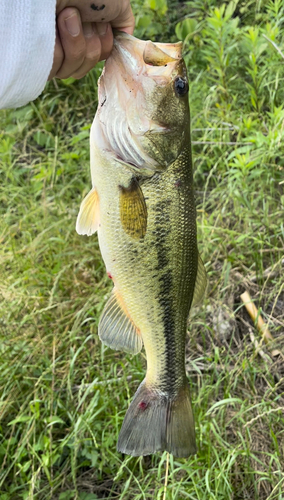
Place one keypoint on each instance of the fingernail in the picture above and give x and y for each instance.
(72, 24)
(102, 28)
(88, 29)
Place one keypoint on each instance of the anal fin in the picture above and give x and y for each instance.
(88, 217)
(116, 328)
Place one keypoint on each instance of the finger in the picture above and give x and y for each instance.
(58, 57)
(125, 21)
(106, 38)
(73, 41)
(99, 42)
(93, 50)
(118, 13)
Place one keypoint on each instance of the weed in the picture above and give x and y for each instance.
(63, 395)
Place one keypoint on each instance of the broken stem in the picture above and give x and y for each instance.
(258, 321)
(166, 477)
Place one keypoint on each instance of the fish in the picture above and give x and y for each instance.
(142, 207)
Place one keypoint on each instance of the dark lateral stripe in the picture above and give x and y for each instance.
(166, 286)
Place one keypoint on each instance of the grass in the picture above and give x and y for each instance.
(63, 395)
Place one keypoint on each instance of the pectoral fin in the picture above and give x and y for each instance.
(88, 217)
(200, 283)
(133, 210)
(116, 328)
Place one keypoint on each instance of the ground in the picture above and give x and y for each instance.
(63, 394)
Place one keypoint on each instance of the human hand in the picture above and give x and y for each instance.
(80, 45)
(116, 12)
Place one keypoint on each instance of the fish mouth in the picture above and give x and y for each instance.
(133, 53)
(132, 57)
(154, 54)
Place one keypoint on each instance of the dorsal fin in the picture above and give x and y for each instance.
(200, 283)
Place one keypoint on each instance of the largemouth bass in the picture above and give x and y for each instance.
(142, 206)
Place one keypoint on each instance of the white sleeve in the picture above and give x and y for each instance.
(27, 39)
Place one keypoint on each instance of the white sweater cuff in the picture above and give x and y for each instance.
(27, 39)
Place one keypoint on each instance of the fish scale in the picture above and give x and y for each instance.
(146, 225)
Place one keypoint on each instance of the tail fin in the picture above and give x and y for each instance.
(156, 422)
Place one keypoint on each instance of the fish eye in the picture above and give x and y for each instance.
(181, 86)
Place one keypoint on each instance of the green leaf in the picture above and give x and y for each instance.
(224, 402)
(186, 28)
(160, 6)
(54, 420)
(21, 419)
(238, 151)
(82, 136)
(144, 21)
(67, 495)
(43, 139)
(88, 496)
(68, 81)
